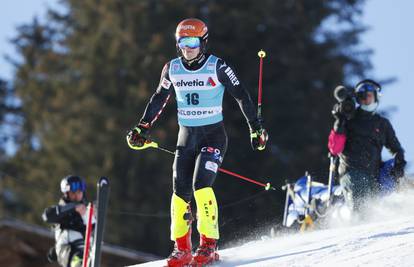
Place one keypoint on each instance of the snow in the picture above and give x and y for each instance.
(384, 237)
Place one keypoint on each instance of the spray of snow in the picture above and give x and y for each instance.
(382, 236)
(382, 208)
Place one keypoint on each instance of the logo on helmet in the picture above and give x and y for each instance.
(186, 27)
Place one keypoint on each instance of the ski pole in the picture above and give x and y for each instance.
(88, 233)
(332, 169)
(267, 186)
(261, 55)
(153, 144)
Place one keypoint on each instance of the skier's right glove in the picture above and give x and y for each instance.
(340, 119)
(258, 136)
(138, 135)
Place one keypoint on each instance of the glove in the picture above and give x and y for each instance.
(398, 170)
(138, 135)
(258, 136)
(339, 124)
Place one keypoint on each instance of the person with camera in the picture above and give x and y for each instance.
(357, 138)
(69, 218)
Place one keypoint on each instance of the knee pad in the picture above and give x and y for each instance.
(207, 212)
(180, 217)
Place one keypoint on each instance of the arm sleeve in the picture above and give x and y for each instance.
(159, 99)
(55, 214)
(227, 76)
(393, 145)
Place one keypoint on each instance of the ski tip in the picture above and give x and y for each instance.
(103, 181)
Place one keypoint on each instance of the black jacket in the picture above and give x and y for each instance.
(367, 133)
(65, 215)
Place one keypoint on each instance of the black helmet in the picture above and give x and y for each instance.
(365, 86)
(72, 183)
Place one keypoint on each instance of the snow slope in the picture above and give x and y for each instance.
(385, 237)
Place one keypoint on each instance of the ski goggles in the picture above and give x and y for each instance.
(190, 42)
(77, 186)
(362, 90)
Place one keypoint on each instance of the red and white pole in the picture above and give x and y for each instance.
(88, 236)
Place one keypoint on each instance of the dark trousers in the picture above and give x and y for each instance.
(200, 152)
(358, 186)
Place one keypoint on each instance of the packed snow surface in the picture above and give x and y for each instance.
(382, 236)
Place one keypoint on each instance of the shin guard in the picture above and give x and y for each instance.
(207, 212)
(180, 217)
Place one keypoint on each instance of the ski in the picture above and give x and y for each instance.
(102, 203)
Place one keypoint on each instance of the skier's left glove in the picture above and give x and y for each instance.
(398, 170)
(258, 136)
(138, 135)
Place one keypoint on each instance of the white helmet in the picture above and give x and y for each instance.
(72, 183)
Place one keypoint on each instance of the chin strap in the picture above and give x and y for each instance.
(200, 57)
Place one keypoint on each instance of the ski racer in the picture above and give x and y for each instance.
(358, 141)
(199, 80)
(69, 218)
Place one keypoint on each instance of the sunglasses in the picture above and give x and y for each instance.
(190, 42)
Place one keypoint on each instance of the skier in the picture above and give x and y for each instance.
(199, 80)
(69, 218)
(358, 141)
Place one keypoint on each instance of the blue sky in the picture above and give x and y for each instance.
(15, 13)
(390, 36)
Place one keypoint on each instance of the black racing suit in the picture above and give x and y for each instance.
(69, 227)
(360, 161)
(200, 149)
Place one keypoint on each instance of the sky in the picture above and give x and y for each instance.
(390, 36)
(15, 13)
(383, 237)
(392, 39)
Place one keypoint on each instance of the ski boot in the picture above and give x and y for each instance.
(181, 255)
(206, 253)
